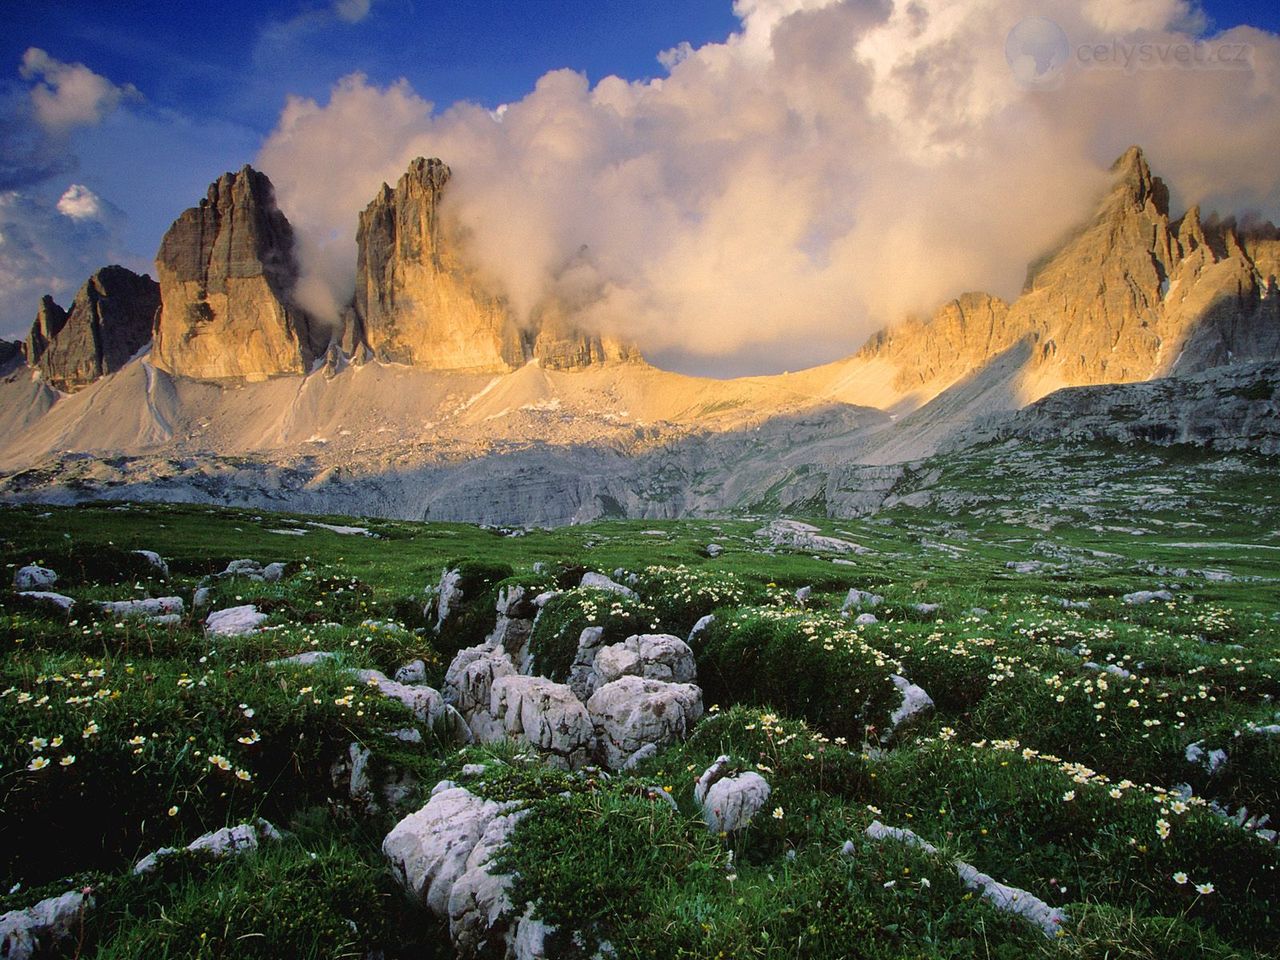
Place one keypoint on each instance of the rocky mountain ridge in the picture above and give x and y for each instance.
(435, 400)
(1132, 294)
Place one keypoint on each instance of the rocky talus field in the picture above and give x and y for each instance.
(1023, 707)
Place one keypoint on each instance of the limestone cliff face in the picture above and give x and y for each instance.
(1130, 296)
(418, 301)
(109, 322)
(1136, 295)
(559, 345)
(227, 271)
(1229, 408)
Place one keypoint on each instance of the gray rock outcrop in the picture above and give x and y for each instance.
(43, 928)
(13, 353)
(546, 715)
(50, 319)
(443, 856)
(1227, 408)
(34, 577)
(655, 656)
(234, 621)
(154, 609)
(598, 581)
(217, 844)
(729, 801)
(630, 713)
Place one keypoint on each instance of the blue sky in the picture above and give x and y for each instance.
(224, 70)
(192, 89)
(238, 60)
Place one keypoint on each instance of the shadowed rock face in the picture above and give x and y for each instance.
(12, 354)
(1227, 408)
(109, 322)
(227, 271)
(50, 319)
(418, 301)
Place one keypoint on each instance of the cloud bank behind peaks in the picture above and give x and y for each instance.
(773, 199)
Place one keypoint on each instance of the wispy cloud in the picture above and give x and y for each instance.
(352, 11)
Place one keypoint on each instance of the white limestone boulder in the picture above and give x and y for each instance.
(32, 577)
(633, 711)
(469, 687)
(480, 908)
(162, 609)
(45, 927)
(598, 581)
(729, 802)
(429, 849)
(218, 844)
(915, 701)
(425, 703)
(234, 621)
(655, 656)
(544, 714)
(156, 561)
(448, 596)
(49, 599)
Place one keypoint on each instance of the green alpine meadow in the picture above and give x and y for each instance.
(1017, 720)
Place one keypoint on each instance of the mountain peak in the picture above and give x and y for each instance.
(433, 171)
(1135, 184)
(227, 269)
(108, 323)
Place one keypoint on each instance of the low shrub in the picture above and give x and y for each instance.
(554, 642)
(680, 596)
(808, 666)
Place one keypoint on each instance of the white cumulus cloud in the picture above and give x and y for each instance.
(67, 95)
(80, 203)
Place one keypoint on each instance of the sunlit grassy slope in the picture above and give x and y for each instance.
(1038, 765)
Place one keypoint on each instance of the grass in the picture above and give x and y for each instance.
(1037, 764)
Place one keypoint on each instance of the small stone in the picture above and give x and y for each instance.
(33, 578)
(598, 581)
(234, 621)
(47, 598)
(155, 560)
